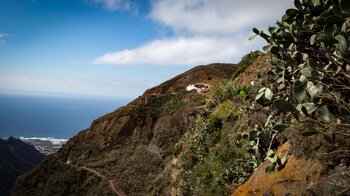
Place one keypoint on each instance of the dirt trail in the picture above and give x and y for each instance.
(93, 171)
(111, 185)
(116, 190)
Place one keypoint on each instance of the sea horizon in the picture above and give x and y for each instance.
(51, 117)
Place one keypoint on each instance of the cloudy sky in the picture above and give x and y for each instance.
(120, 48)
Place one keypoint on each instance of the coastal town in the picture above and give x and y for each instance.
(45, 146)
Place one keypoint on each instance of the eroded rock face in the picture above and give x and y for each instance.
(297, 177)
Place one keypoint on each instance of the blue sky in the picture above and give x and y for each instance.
(120, 48)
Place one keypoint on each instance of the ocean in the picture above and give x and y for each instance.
(51, 117)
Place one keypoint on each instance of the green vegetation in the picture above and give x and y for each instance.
(303, 99)
(167, 104)
(308, 97)
(157, 185)
(63, 180)
(225, 90)
(247, 60)
(310, 48)
(215, 159)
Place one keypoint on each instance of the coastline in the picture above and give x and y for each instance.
(45, 145)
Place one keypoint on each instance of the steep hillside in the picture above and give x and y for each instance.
(214, 156)
(305, 141)
(127, 151)
(16, 158)
(278, 123)
(236, 144)
(183, 143)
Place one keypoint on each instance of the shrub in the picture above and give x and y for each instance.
(247, 60)
(310, 48)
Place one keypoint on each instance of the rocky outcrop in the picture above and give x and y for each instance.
(316, 165)
(296, 178)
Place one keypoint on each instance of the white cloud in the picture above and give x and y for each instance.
(114, 5)
(179, 51)
(2, 36)
(219, 17)
(206, 31)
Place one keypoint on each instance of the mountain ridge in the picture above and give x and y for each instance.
(130, 146)
(173, 142)
(16, 158)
